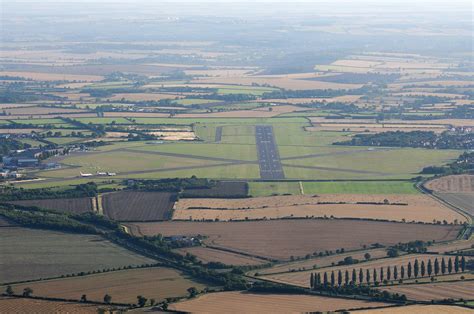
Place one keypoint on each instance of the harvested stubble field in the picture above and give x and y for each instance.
(69, 205)
(124, 286)
(452, 246)
(302, 278)
(415, 208)
(324, 261)
(452, 184)
(43, 76)
(138, 206)
(33, 254)
(242, 302)
(436, 291)
(281, 239)
(207, 255)
(419, 309)
(24, 305)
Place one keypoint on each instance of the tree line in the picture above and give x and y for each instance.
(385, 274)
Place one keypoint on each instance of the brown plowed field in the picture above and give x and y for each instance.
(242, 302)
(452, 184)
(123, 286)
(138, 206)
(419, 309)
(419, 208)
(21, 305)
(207, 255)
(69, 205)
(302, 278)
(436, 291)
(280, 239)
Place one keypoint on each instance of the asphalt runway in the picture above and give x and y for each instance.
(268, 156)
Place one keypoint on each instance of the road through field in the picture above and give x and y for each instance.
(268, 156)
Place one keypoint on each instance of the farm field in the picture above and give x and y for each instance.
(436, 291)
(34, 254)
(68, 205)
(207, 255)
(419, 309)
(238, 302)
(452, 184)
(302, 278)
(20, 305)
(123, 286)
(138, 206)
(276, 239)
(397, 208)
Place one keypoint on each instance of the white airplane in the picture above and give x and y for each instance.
(101, 173)
(111, 174)
(86, 174)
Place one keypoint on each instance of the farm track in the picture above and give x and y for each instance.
(218, 134)
(268, 156)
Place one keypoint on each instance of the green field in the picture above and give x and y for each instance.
(193, 101)
(360, 187)
(118, 120)
(273, 188)
(250, 90)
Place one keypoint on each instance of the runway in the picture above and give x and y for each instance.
(268, 156)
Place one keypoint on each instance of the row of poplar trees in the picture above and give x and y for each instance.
(415, 270)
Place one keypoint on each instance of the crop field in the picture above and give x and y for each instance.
(301, 278)
(257, 189)
(454, 246)
(19, 305)
(436, 291)
(221, 189)
(123, 286)
(138, 206)
(33, 254)
(452, 184)
(69, 205)
(242, 302)
(319, 262)
(277, 238)
(418, 208)
(419, 309)
(207, 255)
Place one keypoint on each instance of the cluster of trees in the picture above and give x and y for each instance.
(415, 270)
(423, 139)
(170, 185)
(9, 193)
(9, 144)
(310, 93)
(461, 112)
(463, 164)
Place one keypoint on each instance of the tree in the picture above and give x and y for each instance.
(409, 269)
(436, 267)
(374, 276)
(450, 265)
(9, 290)
(27, 292)
(402, 272)
(107, 298)
(389, 273)
(423, 269)
(430, 268)
(456, 264)
(319, 279)
(192, 292)
(325, 282)
(84, 298)
(152, 302)
(311, 281)
(333, 279)
(141, 301)
(395, 272)
(381, 274)
(354, 276)
(346, 278)
(367, 276)
(463, 263)
(443, 266)
(416, 268)
(367, 256)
